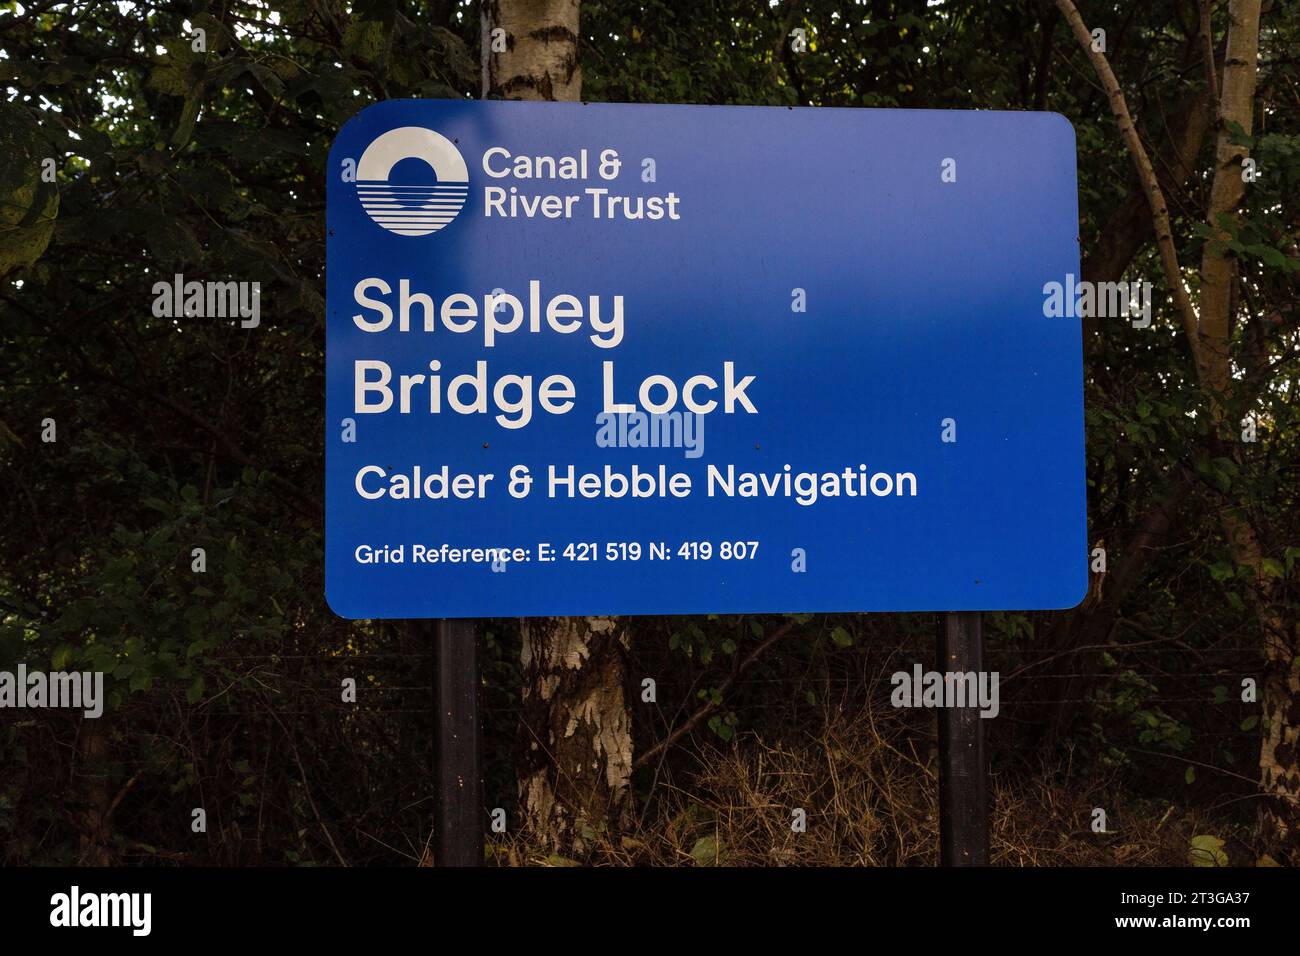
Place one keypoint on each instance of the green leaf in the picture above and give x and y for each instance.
(268, 78)
(363, 39)
(178, 70)
(189, 116)
(1190, 775)
(28, 204)
(841, 637)
(1207, 850)
(172, 241)
(706, 851)
(1237, 134)
(1274, 258)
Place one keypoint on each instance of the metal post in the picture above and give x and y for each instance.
(458, 786)
(963, 772)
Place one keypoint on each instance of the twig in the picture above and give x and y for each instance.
(306, 786)
(1147, 176)
(694, 720)
(1207, 50)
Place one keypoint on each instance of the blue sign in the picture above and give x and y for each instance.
(612, 359)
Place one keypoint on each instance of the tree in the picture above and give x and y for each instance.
(575, 740)
(530, 50)
(1209, 333)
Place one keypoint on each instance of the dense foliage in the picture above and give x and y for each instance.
(175, 435)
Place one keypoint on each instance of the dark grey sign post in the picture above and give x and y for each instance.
(458, 781)
(963, 770)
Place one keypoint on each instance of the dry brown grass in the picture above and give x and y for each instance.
(867, 783)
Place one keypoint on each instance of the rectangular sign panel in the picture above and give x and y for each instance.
(601, 358)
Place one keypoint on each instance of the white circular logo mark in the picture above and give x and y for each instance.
(412, 205)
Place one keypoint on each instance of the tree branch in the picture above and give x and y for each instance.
(1147, 177)
(694, 720)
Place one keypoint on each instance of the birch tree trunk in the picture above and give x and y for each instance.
(1210, 335)
(535, 56)
(1279, 757)
(575, 737)
(575, 761)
